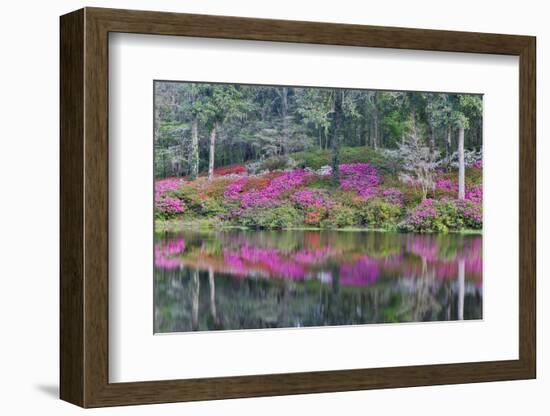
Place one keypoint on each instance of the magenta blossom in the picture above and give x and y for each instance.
(269, 196)
(359, 177)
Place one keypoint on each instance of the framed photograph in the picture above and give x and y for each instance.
(255, 207)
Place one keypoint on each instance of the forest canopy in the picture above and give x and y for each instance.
(251, 123)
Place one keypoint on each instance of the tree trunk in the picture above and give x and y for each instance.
(448, 143)
(432, 137)
(284, 107)
(461, 167)
(375, 135)
(212, 150)
(335, 142)
(195, 148)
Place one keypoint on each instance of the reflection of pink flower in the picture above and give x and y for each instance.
(362, 272)
(164, 252)
(445, 265)
(313, 256)
(413, 256)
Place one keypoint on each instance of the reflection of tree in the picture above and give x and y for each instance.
(212, 284)
(423, 304)
(195, 291)
(314, 279)
(460, 299)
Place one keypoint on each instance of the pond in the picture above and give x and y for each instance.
(248, 279)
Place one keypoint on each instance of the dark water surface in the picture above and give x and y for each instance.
(235, 279)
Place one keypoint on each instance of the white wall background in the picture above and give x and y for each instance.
(29, 158)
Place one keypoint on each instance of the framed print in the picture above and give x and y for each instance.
(262, 207)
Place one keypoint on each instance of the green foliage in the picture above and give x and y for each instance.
(412, 196)
(280, 162)
(442, 216)
(212, 207)
(377, 212)
(320, 182)
(216, 188)
(283, 216)
(314, 159)
(473, 176)
(448, 217)
(341, 217)
(190, 196)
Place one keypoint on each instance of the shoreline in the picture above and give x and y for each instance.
(179, 225)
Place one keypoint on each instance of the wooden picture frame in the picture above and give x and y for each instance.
(84, 207)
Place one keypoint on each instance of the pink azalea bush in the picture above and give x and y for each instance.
(474, 194)
(478, 164)
(309, 198)
(392, 195)
(166, 205)
(169, 206)
(443, 215)
(447, 185)
(359, 177)
(269, 196)
(234, 189)
(306, 197)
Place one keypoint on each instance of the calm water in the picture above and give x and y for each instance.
(207, 280)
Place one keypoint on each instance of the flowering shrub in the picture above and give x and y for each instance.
(313, 217)
(298, 197)
(359, 177)
(471, 214)
(393, 196)
(169, 206)
(268, 196)
(216, 187)
(308, 198)
(478, 164)
(234, 189)
(424, 218)
(283, 216)
(166, 205)
(474, 194)
(230, 170)
(443, 215)
(169, 184)
(191, 196)
(341, 217)
(447, 185)
(377, 212)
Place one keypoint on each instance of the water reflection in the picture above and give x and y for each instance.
(262, 279)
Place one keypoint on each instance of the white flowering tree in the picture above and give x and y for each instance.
(419, 162)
